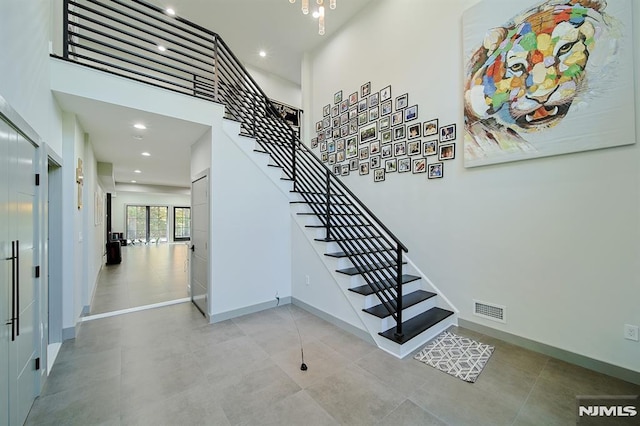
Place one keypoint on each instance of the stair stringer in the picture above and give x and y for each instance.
(372, 324)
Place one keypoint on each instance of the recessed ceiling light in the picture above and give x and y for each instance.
(162, 48)
(137, 171)
(146, 154)
(170, 11)
(138, 137)
(133, 181)
(262, 53)
(140, 126)
(316, 14)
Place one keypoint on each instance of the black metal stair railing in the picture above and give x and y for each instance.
(138, 40)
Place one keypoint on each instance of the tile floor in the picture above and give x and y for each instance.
(148, 274)
(167, 366)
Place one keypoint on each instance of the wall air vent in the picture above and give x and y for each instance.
(489, 311)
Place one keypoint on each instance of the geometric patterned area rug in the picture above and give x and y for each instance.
(458, 356)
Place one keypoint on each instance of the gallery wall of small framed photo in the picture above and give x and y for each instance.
(373, 131)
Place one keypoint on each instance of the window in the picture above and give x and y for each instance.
(181, 223)
(147, 223)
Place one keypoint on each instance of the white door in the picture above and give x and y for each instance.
(6, 295)
(18, 292)
(200, 243)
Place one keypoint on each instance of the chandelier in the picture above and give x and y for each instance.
(319, 14)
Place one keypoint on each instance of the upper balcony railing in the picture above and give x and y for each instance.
(141, 41)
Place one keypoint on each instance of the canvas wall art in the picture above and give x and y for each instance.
(545, 78)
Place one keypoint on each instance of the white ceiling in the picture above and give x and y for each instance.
(277, 26)
(247, 26)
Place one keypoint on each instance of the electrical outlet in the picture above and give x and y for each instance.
(631, 332)
(308, 279)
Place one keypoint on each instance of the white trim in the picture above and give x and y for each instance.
(136, 309)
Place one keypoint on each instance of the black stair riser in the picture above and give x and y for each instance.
(408, 300)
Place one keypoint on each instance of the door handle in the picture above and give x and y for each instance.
(17, 316)
(193, 247)
(13, 291)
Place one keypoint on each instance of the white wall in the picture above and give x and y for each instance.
(24, 66)
(250, 232)
(94, 227)
(556, 240)
(277, 88)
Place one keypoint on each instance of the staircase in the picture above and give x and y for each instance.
(368, 281)
(395, 301)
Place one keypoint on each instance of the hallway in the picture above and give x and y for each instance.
(168, 366)
(148, 274)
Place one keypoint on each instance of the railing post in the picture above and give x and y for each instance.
(328, 207)
(253, 122)
(398, 333)
(65, 29)
(216, 70)
(293, 158)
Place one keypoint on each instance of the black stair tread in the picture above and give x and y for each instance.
(373, 267)
(341, 254)
(274, 165)
(366, 289)
(407, 301)
(416, 325)
(333, 203)
(324, 194)
(286, 178)
(260, 151)
(340, 226)
(335, 240)
(323, 215)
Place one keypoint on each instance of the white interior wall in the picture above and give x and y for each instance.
(277, 88)
(94, 227)
(250, 232)
(24, 66)
(555, 240)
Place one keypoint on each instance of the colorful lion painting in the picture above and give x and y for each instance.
(528, 73)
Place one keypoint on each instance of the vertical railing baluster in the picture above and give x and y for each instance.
(328, 207)
(398, 333)
(65, 29)
(253, 115)
(216, 69)
(293, 158)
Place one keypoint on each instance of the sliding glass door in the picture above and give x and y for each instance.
(147, 223)
(181, 223)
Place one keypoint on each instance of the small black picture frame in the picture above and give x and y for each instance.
(337, 97)
(365, 90)
(435, 170)
(448, 133)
